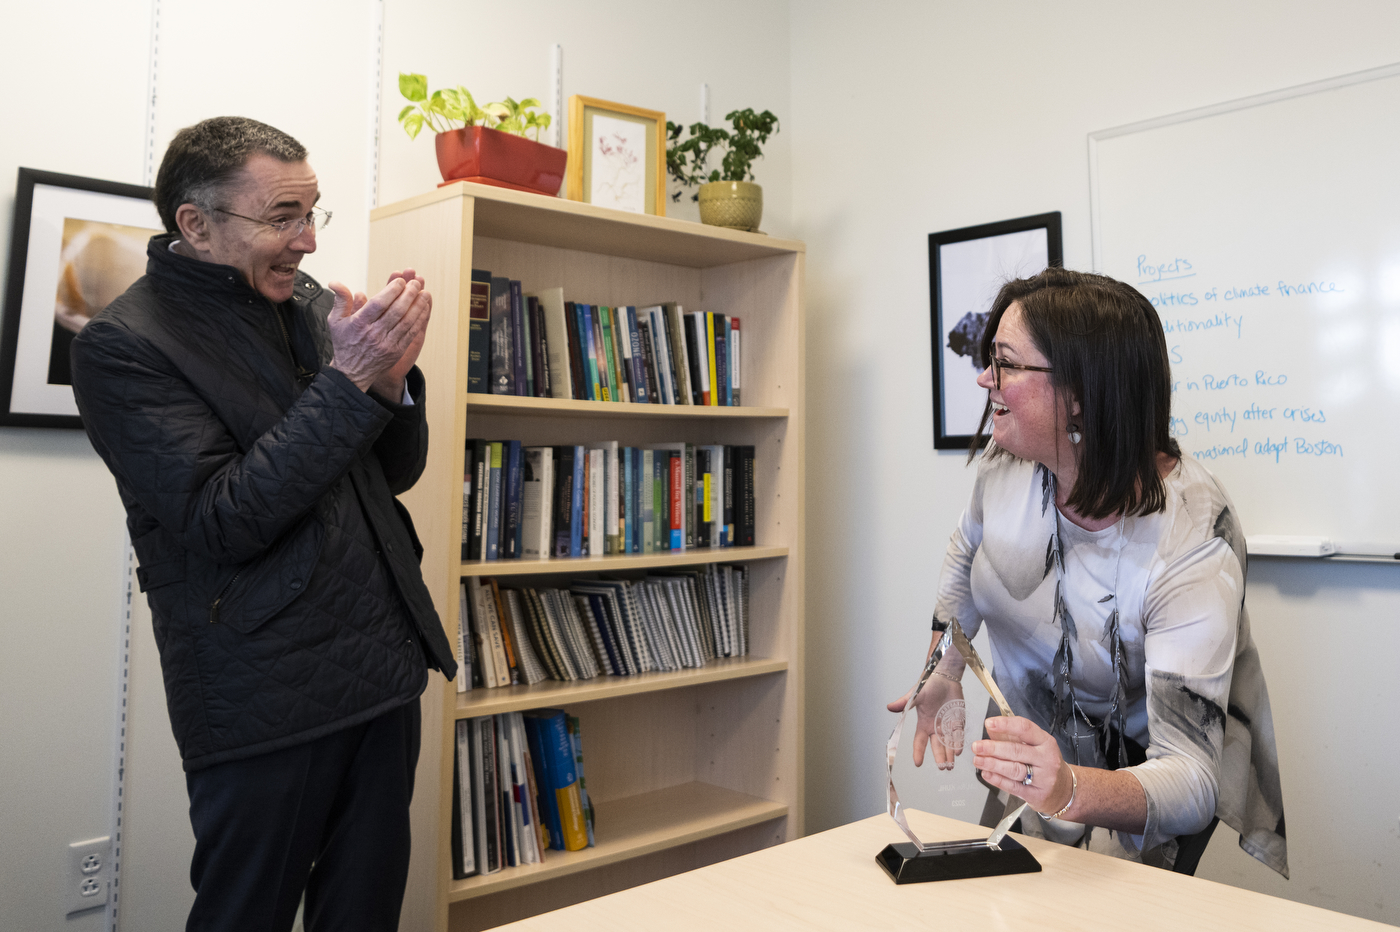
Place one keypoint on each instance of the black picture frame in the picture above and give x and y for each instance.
(45, 203)
(967, 266)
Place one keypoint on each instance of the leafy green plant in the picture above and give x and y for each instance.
(687, 160)
(445, 109)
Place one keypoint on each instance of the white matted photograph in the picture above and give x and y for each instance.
(967, 267)
(77, 244)
(617, 156)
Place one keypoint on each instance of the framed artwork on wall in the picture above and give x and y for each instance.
(77, 243)
(967, 267)
(617, 156)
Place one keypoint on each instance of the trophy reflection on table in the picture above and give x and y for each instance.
(916, 861)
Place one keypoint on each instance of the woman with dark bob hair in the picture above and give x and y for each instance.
(1109, 569)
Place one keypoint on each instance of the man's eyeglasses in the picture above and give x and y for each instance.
(318, 219)
(1000, 364)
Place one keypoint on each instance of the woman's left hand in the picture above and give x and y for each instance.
(1019, 749)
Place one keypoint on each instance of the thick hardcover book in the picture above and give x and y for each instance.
(490, 792)
(699, 365)
(502, 618)
(468, 474)
(555, 327)
(638, 377)
(589, 340)
(649, 362)
(502, 370)
(563, 499)
(479, 333)
(464, 834)
(727, 538)
(576, 502)
(520, 340)
(605, 320)
(680, 357)
(577, 370)
(648, 496)
(622, 335)
(713, 378)
(512, 533)
(676, 503)
(722, 356)
(539, 344)
(493, 502)
(746, 512)
(734, 357)
(536, 505)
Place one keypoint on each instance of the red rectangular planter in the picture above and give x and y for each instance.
(489, 156)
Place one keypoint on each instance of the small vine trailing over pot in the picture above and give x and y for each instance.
(444, 109)
(687, 161)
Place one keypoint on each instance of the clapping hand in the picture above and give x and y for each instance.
(376, 340)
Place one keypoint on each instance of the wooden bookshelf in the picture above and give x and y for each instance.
(684, 768)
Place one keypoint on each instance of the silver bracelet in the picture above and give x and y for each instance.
(1074, 788)
(947, 676)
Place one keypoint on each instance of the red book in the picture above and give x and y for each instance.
(677, 508)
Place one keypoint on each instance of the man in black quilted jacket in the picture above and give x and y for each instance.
(259, 427)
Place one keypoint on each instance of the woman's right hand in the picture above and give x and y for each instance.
(938, 691)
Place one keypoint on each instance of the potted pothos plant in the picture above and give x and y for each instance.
(728, 195)
(486, 144)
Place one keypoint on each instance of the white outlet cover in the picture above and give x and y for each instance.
(87, 875)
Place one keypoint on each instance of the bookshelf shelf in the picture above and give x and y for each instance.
(618, 562)
(636, 826)
(553, 693)
(555, 407)
(696, 765)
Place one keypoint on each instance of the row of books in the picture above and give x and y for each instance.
(522, 502)
(542, 346)
(612, 627)
(518, 791)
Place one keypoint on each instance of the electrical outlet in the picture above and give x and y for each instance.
(87, 874)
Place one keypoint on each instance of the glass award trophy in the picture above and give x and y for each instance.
(916, 861)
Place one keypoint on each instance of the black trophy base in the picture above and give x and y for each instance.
(956, 861)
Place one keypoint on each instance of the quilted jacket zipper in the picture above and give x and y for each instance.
(302, 374)
(214, 608)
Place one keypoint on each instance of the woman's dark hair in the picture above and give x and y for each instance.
(1105, 343)
(202, 159)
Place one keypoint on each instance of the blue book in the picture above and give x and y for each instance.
(576, 516)
(560, 786)
(512, 536)
(493, 504)
(639, 366)
(624, 458)
(722, 359)
(590, 354)
(549, 805)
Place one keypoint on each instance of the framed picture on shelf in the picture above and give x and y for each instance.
(617, 156)
(76, 244)
(967, 267)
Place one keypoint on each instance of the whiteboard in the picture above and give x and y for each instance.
(1266, 232)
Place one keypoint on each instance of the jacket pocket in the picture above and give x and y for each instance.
(408, 526)
(250, 594)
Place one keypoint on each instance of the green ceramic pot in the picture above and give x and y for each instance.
(734, 204)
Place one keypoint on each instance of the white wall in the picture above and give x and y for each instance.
(78, 90)
(913, 117)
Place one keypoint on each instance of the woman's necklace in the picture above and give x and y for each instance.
(1067, 711)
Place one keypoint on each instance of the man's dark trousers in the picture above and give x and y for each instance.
(329, 817)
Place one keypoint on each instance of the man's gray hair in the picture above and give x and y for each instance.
(202, 159)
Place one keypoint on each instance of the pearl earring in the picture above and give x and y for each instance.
(1074, 435)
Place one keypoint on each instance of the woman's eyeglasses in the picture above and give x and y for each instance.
(1000, 364)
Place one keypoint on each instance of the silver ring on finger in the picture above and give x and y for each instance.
(1030, 775)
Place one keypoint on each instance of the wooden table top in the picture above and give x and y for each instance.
(830, 881)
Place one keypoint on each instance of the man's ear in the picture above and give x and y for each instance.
(194, 226)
